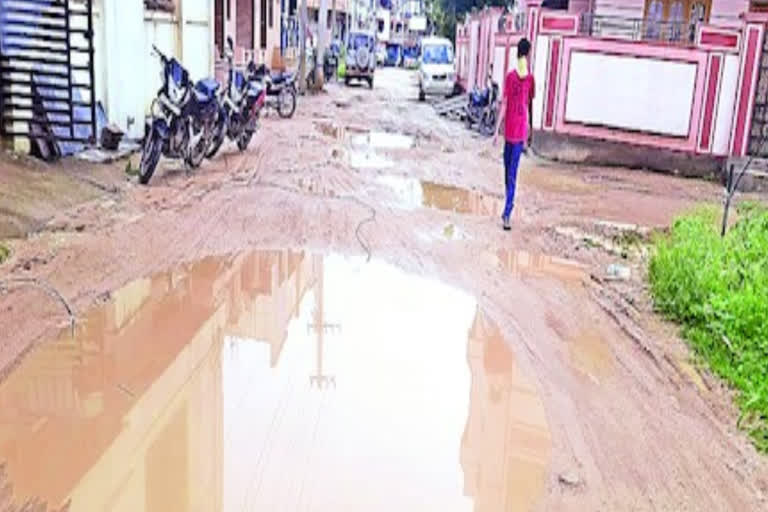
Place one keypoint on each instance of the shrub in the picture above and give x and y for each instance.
(717, 289)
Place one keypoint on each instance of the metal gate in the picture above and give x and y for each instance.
(46, 66)
(758, 133)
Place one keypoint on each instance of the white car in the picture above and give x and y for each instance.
(437, 70)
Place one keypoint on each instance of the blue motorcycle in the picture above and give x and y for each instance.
(482, 109)
(182, 119)
(239, 107)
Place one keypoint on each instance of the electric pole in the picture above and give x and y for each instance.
(322, 42)
(320, 379)
(303, 19)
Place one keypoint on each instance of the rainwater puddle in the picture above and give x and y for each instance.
(382, 140)
(412, 193)
(276, 381)
(364, 160)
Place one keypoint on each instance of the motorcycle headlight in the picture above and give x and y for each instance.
(175, 93)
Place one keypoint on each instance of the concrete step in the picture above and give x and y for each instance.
(756, 176)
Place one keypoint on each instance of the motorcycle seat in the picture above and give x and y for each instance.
(280, 77)
(254, 89)
(479, 97)
(201, 97)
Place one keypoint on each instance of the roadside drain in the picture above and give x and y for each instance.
(273, 380)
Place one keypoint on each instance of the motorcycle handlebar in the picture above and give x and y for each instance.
(159, 53)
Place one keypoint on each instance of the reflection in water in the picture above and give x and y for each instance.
(226, 386)
(523, 263)
(506, 444)
(415, 193)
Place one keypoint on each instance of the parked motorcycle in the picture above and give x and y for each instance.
(281, 88)
(482, 109)
(239, 105)
(182, 119)
(330, 62)
(312, 77)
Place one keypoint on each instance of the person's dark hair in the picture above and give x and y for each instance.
(523, 48)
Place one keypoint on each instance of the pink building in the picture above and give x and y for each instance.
(615, 78)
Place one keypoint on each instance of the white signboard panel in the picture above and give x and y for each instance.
(634, 93)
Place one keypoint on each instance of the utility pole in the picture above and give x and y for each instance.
(322, 42)
(320, 379)
(303, 19)
(333, 19)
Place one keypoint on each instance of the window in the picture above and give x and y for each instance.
(674, 20)
(160, 5)
(229, 10)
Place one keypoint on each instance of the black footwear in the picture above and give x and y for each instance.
(507, 227)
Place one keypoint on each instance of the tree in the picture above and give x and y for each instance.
(303, 20)
(322, 43)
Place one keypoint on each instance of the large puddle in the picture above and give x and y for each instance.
(276, 381)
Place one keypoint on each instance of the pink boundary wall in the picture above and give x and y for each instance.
(713, 45)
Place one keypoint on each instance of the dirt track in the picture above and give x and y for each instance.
(633, 426)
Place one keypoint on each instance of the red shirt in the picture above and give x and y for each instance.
(519, 92)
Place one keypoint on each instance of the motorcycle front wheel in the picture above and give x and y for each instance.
(150, 156)
(198, 147)
(488, 125)
(219, 134)
(244, 139)
(286, 102)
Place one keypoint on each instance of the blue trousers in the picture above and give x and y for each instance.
(512, 152)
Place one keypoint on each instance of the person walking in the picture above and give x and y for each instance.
(514, 112)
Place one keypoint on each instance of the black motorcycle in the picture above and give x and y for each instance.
(281, 88)
(482, 109)
(182, 119)
(240, 105)
(330, 62)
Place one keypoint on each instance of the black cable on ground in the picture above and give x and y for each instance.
(45, 286)
(360, 239)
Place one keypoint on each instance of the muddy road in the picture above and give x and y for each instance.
(334, 320)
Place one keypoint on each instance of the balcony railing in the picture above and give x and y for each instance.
(669, 32)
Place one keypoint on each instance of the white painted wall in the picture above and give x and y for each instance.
(727, 13)
(498, 65)
(540, 78)
(127, 75)
(474, 31)
(123, 63)
(725, 104)
(641, 93)
(629, 9)
(197, 37)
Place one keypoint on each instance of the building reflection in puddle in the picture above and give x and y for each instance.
(275, 381)
(527, 264)
(414, 193)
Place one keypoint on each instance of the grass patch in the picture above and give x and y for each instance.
(717, 289)
(5, 252)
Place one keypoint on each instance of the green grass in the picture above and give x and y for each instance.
(5, 252)
(717, 290)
